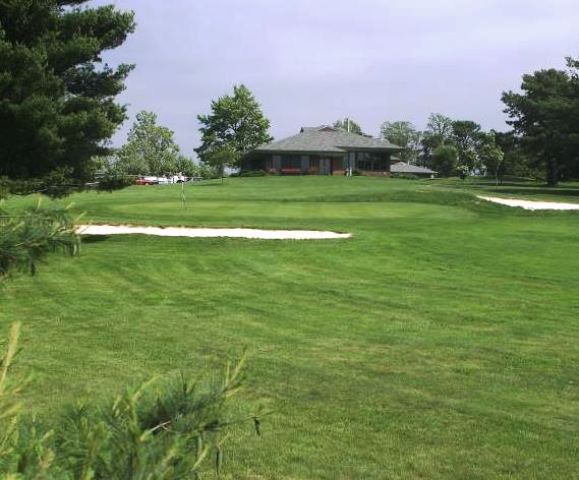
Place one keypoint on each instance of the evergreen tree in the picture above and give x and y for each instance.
(546, 116)
(57, 100)
(236, 122)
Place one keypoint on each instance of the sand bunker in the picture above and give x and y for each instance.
(210, 232)
(531, 204)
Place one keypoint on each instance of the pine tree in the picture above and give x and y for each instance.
(57, 99)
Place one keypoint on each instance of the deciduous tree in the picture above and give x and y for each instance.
(150, 148)
(349, 125)
(236, 122)
(438, 132)
(491, 155)
(444, 160)
(467, 136)
(405, 135)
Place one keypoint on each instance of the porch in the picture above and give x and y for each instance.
(366, 163)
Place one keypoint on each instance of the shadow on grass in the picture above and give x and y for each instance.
(217, 183)
(561, 191)
(95, 238)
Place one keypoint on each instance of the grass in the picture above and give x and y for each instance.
(566, 192)
(441, 341)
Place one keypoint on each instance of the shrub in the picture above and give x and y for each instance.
(159, 431)
(114, 180)
(253, 173)
(4, 188)
(405, 176)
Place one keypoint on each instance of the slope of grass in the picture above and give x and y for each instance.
(439, 342)
(529, 190)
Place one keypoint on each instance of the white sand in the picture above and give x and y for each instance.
(210, 232)
(531, 204)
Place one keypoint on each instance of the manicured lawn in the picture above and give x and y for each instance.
(441, 341)
(566, 192)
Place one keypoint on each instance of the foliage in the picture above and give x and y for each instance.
(440, 126)
(187, 167)
(114, 178)
(349, 125)
(444, 160)
(158, 431)
(222, 156)
(467, 136)
(516, 161)
(57, 105)
(57, 184)
(253, 173)
(26, 238)
(236, 122)
(546, 116)
(5, 188)
(405, 135)
(438, 132)
(405, 176)
(150, 149)
(491, 155)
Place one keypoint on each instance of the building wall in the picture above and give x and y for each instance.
(339, 166)
(363, 162)
(370, 163)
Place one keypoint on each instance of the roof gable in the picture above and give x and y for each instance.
(321, 128)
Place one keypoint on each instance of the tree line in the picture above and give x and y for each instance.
(543, 142)
(58, 110)
(447, 146)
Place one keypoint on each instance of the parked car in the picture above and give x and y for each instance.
(147, 181)
(166, 180)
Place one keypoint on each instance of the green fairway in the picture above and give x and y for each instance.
(441, 341)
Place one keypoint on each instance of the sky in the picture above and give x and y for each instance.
(311, 62)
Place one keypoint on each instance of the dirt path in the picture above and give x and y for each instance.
(531, 204)
(211, 232)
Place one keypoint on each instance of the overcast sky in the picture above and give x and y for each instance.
(310, 62)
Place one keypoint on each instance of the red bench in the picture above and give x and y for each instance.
(291, 171)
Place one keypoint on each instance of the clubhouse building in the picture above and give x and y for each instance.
(323, 150)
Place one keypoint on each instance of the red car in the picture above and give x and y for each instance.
(146, 181)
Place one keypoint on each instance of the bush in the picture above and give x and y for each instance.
(405, 176)
(159, 431)
(114, 180)
(4, 188)
(253, 173)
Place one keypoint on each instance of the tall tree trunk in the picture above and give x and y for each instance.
(552, 172)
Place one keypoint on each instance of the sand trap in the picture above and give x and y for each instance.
(210, 232)
(532, 205)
